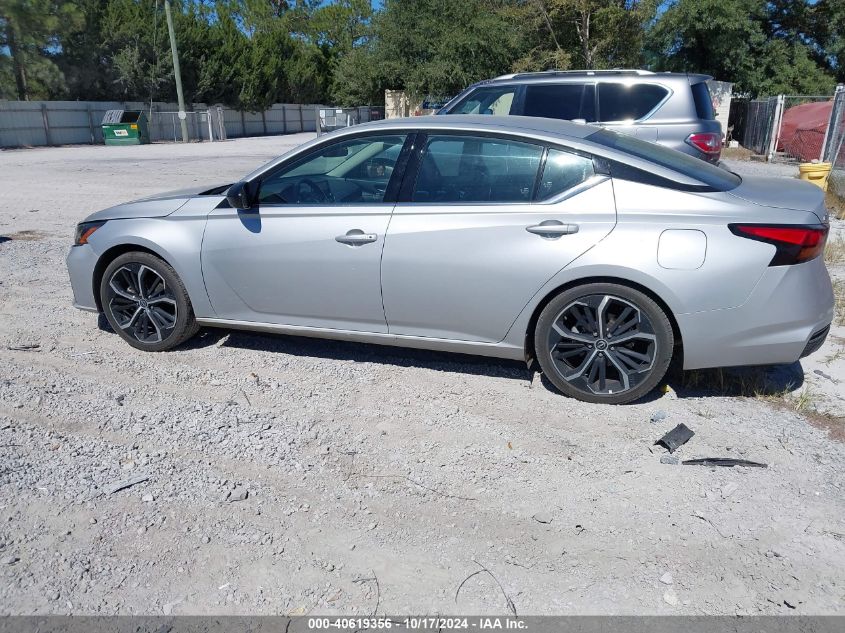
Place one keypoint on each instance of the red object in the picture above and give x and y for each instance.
(794, 244)
(802, 129)
(707, 142)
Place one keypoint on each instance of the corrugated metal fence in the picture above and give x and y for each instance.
(38, 123)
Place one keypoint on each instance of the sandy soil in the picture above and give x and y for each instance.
(283, 475)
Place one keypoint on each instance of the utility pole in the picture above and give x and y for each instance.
(176, 73)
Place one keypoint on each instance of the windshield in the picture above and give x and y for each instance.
(715, 177)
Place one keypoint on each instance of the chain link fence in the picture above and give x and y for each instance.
(834, 146)
(751, 123)
(785, 128)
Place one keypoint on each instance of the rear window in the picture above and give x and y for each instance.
(695, 168)
(561, 101)
(628, 101)
(494, 100)
(703, 101)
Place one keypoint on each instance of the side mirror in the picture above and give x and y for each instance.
(239, 196)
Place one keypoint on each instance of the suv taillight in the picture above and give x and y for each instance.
(707, 142)
(794, 243)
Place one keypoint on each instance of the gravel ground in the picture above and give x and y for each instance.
(276, 475)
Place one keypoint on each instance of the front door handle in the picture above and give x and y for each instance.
(356, 237)
(552, 229)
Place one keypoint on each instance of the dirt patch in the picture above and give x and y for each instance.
(835, 204)
(23, 236)
(737, 153)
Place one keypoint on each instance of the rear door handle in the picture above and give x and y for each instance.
(552, 228)
(356, 237)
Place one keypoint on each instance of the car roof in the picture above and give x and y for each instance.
(520, 125)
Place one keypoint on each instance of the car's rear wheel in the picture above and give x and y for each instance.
(146, 303)
(604, 343)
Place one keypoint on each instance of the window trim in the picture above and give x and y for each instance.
(645, 117)
(390, 193)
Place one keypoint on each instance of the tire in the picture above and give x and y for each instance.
(579, 353)
(157, 318)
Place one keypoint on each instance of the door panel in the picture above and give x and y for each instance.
(309, 254)
(284, 265)
(465, 271)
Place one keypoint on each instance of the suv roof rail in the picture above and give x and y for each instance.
(552, 73)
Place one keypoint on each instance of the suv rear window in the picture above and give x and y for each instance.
(561, 101)
(684, 164)
(624, 102)
(703, 101)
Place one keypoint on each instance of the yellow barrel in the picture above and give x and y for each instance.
(815, 173)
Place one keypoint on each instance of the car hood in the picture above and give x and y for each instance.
(782, 193)
(157, 206)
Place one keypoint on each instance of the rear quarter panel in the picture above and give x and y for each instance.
(731, 269)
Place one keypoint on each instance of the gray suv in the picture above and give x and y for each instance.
(672, 109)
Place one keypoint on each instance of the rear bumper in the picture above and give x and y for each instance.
(81, 261)
(786, 318)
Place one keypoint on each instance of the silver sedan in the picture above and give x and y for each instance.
(601, 256)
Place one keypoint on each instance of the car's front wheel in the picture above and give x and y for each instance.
(146, 303)
(604, 343)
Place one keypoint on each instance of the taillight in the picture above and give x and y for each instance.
(707, 142)
(794, 243)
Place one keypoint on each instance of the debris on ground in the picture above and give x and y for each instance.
(126, 483)
(658, 416)
(25, 347)
(727, 462)
(678, 436)
(238, 494)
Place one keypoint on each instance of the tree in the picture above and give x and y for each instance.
(135, 43)
(30, 31)
(828, 25)
(434, 48)
(84, 61)
(748, 42)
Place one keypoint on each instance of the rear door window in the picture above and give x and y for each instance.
(457, 168)
(628, 101)
(496, 100)
(561, 101)
(563, 170)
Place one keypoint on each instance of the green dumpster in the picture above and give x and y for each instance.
(125, 127)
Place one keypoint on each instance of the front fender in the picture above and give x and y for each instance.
(177, 240)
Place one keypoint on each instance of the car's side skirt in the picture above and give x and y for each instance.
(496, 350)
